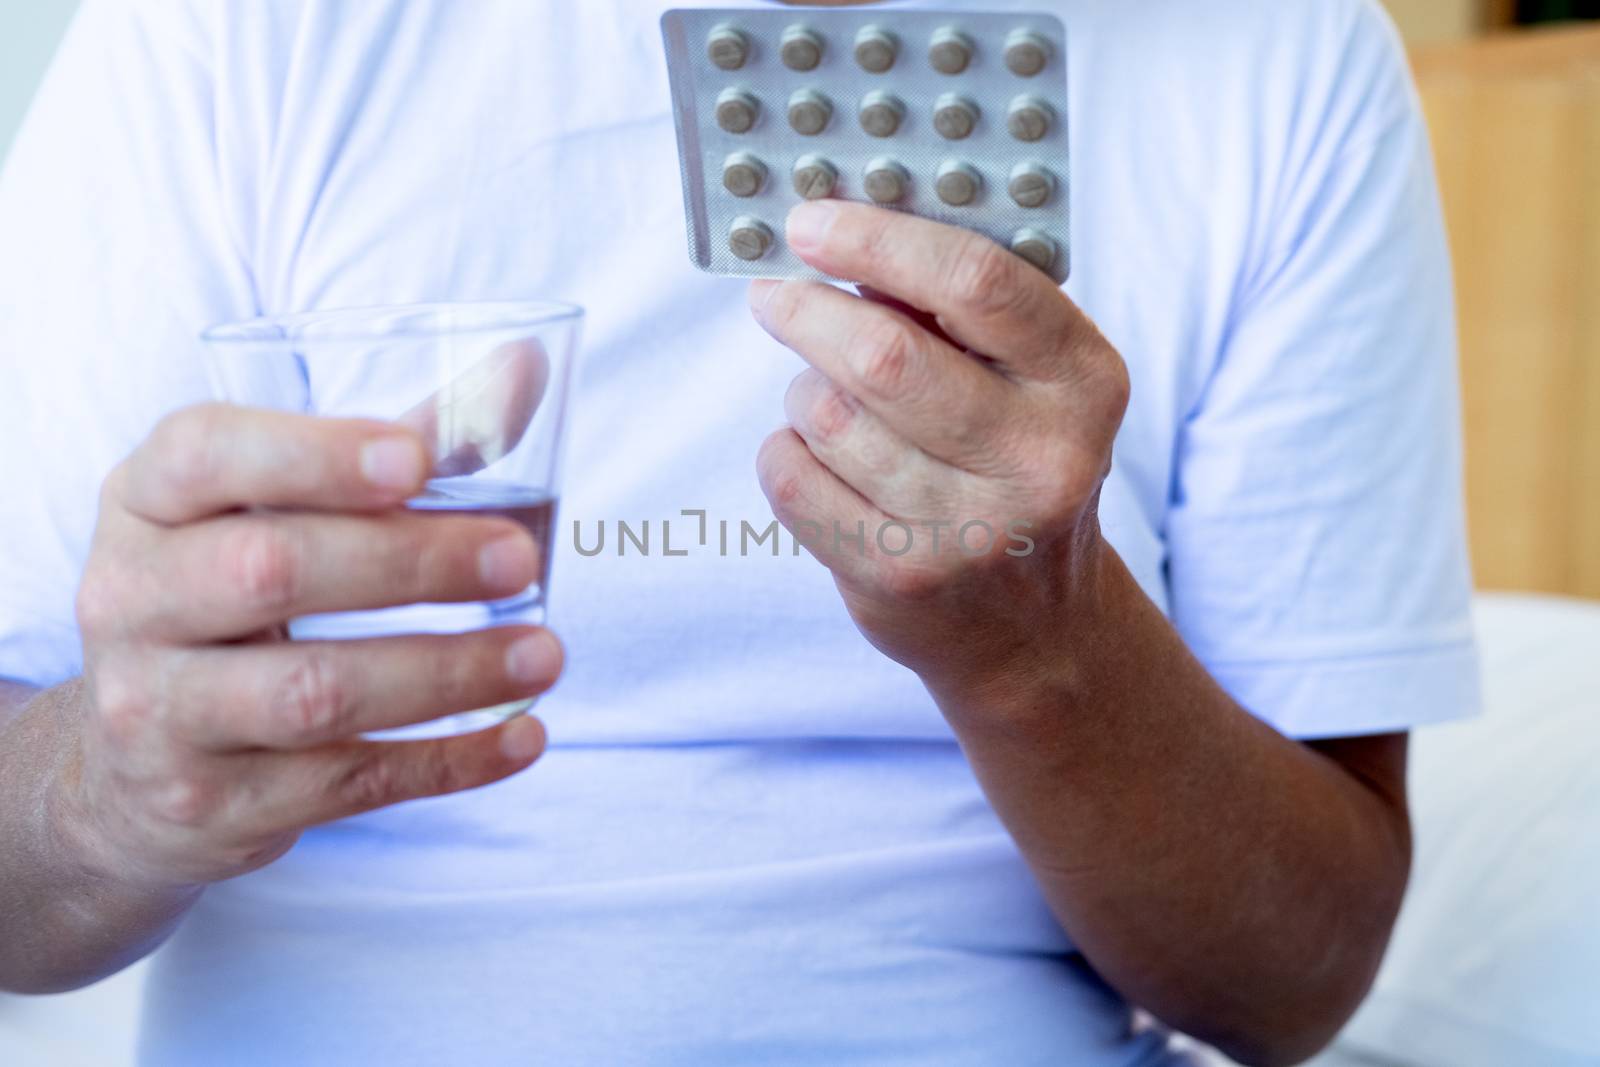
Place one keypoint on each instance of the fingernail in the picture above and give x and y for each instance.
(809, 224)
(522, 739)
(534, 660)
(392, 463)
(508, 563)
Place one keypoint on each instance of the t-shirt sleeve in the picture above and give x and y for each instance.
(115, 251)
(1317, 557)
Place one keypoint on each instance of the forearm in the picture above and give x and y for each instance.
(1239, 885)
(63, 924)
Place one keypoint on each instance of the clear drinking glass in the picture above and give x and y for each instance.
(485, 384)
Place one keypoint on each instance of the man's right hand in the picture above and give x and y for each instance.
(206, 740)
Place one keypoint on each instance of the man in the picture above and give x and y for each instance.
(943, 808)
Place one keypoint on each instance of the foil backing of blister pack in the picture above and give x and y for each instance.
(991, 151)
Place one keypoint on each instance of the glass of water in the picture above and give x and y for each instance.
(484, 384)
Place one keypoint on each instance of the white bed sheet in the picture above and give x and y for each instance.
(1496, 960)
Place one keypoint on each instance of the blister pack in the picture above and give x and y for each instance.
(958, 116)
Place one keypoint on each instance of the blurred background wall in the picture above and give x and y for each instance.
(1440, 20)
(29, 32)
(1434, 21)
(1515, 120)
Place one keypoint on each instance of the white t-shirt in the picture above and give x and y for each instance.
(754, 840)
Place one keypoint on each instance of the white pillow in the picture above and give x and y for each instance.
(1496, 958)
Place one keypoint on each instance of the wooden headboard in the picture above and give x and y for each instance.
(1516, 130)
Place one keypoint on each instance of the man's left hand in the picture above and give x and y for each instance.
(967, 400)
